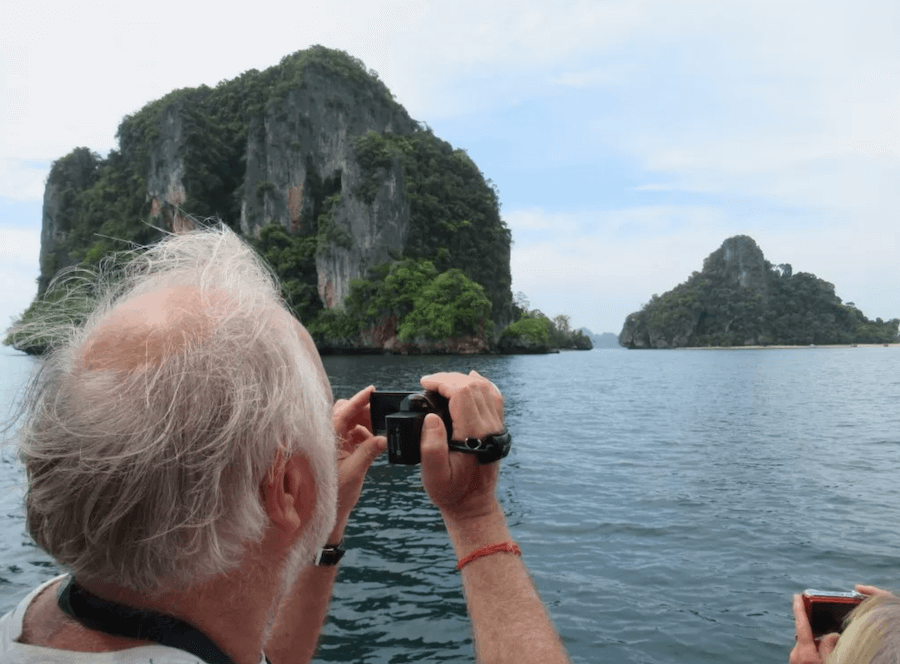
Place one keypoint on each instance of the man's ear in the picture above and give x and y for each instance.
(289, 494)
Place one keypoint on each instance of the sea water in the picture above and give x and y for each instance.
(668, 503)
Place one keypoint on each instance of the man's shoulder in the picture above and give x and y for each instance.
(26, 654)
(21, 654)
(13, 652)
(11, 623)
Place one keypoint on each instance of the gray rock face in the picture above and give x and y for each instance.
(53, 237)
(165, 178)
(69, 176)
(301, 164)
(308, 138)
(743, 262)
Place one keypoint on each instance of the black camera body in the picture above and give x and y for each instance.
(400, 416)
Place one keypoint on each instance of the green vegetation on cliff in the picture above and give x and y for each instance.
(454, 211)
(412, 300)
(740, 299)
(534, 332)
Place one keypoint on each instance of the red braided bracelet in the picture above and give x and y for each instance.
(505, 547)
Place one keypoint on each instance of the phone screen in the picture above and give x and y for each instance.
(828, 614)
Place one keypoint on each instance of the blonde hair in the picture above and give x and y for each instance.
(150, 476)
(873, 634)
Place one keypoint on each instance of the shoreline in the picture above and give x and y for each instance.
(781, 347)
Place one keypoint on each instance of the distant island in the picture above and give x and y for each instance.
(740, 299)
(602, 340)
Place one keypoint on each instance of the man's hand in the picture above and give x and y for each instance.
(509, 621)
(806, 649)
(357, 449)
(456, 482)
(302, 613)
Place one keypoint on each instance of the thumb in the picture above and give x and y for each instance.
(827, 644)
(435, 461)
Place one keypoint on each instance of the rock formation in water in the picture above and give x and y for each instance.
(315, 146)
(740, 299)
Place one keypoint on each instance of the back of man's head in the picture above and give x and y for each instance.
(151, 427)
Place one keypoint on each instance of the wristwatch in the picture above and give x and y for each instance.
(330, 555)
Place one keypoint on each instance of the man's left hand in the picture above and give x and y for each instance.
(357, 449)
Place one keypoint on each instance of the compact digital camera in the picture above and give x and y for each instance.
(827, 611)
(400, 415)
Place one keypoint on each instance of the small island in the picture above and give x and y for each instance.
(739, 299)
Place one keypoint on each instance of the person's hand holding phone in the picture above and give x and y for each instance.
(807, 650)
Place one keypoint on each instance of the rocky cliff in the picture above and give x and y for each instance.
(740, 299)
(316, 146)
(301, 156)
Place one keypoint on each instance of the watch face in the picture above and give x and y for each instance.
(329, 556)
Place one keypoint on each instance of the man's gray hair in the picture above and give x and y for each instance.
(146, 454)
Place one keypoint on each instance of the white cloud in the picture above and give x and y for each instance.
(18, 271)
(23, 181)
(599, 266)
(794, 102)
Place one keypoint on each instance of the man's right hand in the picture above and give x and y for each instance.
(460, 486)
(509, 621)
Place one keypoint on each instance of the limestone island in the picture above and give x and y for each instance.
(739, 299)
(386, 238)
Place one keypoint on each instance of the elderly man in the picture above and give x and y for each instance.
(186, 463)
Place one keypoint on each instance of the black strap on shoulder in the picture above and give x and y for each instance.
(119, 620)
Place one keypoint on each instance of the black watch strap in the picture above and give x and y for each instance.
(489, 448)
(330, 555)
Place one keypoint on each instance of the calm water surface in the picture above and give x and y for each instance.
(667, 503)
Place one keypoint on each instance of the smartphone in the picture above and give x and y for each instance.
(827, 611)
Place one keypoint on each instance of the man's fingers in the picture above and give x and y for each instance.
(364, 454)
(435, 462)
(346, 408)
(437, 383)
(354, 411)
(361, 398)
(355, 437)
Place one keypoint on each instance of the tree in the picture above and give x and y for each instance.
(562, 324)
(451, 305)
(520, 301)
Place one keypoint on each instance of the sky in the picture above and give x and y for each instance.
(627, 138)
